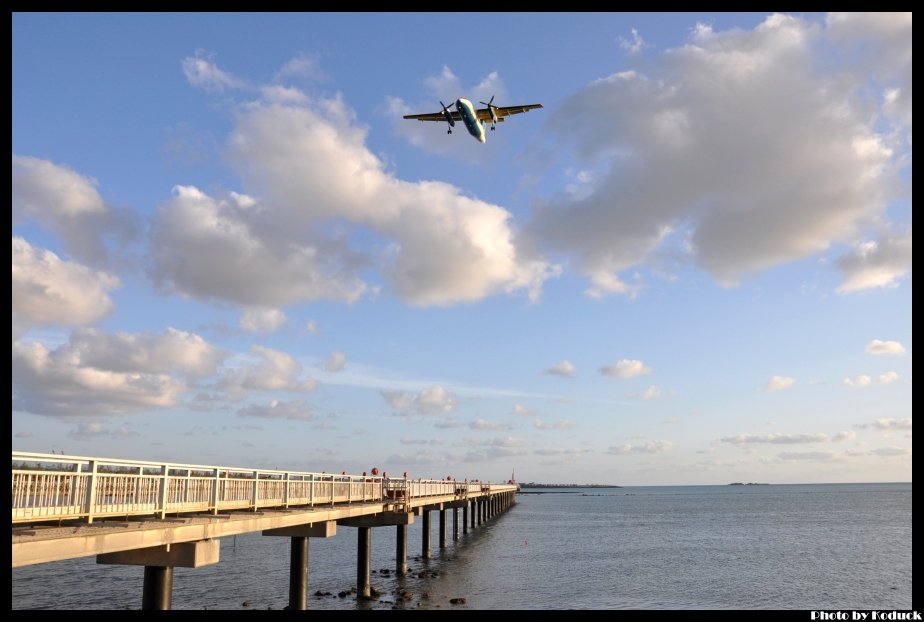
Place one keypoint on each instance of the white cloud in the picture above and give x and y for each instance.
(65, 382)
(152, 353)
(273, 370)
(747, 149)
(308, 163)
(652, 447)
(785, 439)
(432, 400)
(522, 411)
(625, 369)
(69, 205)
(878, 346)
(889, 452)
(778, 383)
(894, 424)
(262, 320)
(50, 290)
(335, 362)
(632, 44)
(863, 380)
(811, 456)
(445, 87)
(564, 368)
(846, 435)
(226, 249)
(297, 410)
(876, 264)
(303, 68)
(312, 327)
(94, 429)
(484, 424)
(652, 393)
(888, 378)
(203, 73)
(561, 424)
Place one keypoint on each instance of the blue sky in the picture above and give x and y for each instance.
(692, 266)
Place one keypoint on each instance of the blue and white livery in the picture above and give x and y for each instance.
(473, 119)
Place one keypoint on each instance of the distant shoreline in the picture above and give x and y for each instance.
(533, 485)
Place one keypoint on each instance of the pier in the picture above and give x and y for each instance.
(162, 515)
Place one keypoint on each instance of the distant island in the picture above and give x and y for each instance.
(535, 485)
(749, 484)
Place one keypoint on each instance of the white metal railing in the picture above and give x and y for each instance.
(53, 487)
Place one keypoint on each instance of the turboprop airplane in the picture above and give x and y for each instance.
(474, 120)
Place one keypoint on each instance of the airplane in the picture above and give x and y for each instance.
(466, 113)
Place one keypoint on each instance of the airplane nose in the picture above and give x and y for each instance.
(481, 138)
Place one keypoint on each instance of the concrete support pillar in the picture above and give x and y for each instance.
(455, 523)
(158, 588)
(363, 562)
(465, 517)
(401, 550)
(442, 528)
(425, 538)
(298, 574)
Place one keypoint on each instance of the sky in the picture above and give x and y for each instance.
(691, 266)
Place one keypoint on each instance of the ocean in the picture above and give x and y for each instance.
(807, 546)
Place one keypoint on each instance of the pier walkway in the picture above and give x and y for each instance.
(163, 515)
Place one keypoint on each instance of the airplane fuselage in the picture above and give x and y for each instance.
(470, 119)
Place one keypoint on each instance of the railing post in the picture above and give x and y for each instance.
(256, 490)
(311, 491)
(164, 488)
(285, 491)
(216, 484)
(91, 492)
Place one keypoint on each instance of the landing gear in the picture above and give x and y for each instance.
(449, 131)
(493, 128)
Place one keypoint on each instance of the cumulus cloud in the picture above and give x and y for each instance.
(335, 362)
(272, 370)
(878, 346)
(745, 149)
(50, 290)
(652, 447)
(625, 369)
(565, 368)
(561, 424)
(297, 410)
(432, 400)
(876, 264)
(69, 205)
(87, 378)
(778, 383)
(202, 72)
(319, 186)
(652, 393)
(227, 249)
(262, 320)
(312, 327)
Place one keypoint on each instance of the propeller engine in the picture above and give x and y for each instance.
(493, 110)
(448, 116)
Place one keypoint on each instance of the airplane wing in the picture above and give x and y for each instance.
(434, 116)
(484, 114)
